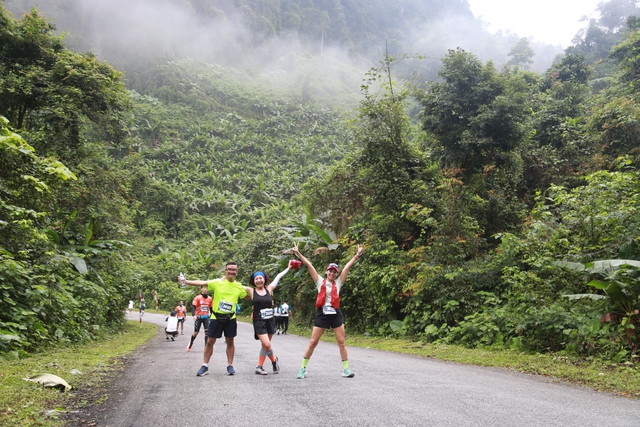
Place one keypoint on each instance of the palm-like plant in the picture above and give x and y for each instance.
(619, 279)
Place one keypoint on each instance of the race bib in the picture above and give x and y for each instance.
(327, 309)
(204, 308)
(266, 313)
(225, 307)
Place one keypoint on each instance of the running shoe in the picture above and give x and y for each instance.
(348, 373)
(167, 338)
(230, 370)
(203, 371)
(301, 373)
(188, 348)
(276, 366)
(172, 339)
(260, 370)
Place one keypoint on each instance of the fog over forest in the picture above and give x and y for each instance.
(133, 33)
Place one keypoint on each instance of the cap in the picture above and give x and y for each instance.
(334, 266)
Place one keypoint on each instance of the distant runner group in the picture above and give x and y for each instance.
(216, 313)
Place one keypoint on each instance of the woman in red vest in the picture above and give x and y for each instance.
(328, 313)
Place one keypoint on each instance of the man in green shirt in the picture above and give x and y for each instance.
(226, 293)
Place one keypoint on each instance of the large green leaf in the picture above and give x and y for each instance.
(598, 284)
(79, 264)
(588, 296)
(608, 264)
(575, 266)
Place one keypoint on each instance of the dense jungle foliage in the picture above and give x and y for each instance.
(498, 206)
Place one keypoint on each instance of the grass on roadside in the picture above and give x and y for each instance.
(24, 403)
(622, 379)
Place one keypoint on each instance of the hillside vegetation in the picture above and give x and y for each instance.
(497, 206)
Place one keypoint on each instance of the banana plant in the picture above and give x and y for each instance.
(78, 251)
(310, 231)
(619, 279)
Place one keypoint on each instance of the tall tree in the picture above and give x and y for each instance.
(521, 54)
(51, 94)
(476, 113)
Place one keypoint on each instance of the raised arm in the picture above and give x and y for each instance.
(280, 275)
(312, 270)
(345, 270)
(193, 282)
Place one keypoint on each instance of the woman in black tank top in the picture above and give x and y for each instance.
(264, 324)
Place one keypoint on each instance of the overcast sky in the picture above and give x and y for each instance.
(550, 21)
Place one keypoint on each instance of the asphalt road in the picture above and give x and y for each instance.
(160, 388)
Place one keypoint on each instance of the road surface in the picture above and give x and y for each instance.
(160, 388)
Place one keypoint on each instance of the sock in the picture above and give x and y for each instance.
(345, 364)
(206, 365)
(192, 339)
(261, 360)
(205, 340)
(304, 362)
(271, 356)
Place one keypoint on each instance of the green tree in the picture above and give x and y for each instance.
(477, 117)
(476, 113)
(521, 54)
(53, 95)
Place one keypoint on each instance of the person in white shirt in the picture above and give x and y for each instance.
(172, 326)
(278, 317)
(285, 313)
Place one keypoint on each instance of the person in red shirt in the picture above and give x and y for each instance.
(201, 309)
(181, 313)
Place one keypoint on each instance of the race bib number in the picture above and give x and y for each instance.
(327, 309)
(204, 308)
(266, 313)
(225, 307)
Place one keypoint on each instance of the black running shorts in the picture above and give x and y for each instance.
(326, 321)
(262, 327)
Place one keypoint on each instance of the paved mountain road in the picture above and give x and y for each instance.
(160, 388)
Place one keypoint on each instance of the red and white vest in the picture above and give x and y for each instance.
(322, 295)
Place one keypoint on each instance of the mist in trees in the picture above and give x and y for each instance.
(133, 36)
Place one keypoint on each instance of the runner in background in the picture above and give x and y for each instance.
(143, 305)
(181, 314)
(285, 313)
(201, 310)
(130, 307)
(278, 317)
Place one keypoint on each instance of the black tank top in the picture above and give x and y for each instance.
(260, 302)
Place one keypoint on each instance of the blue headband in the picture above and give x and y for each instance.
(258, 273)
